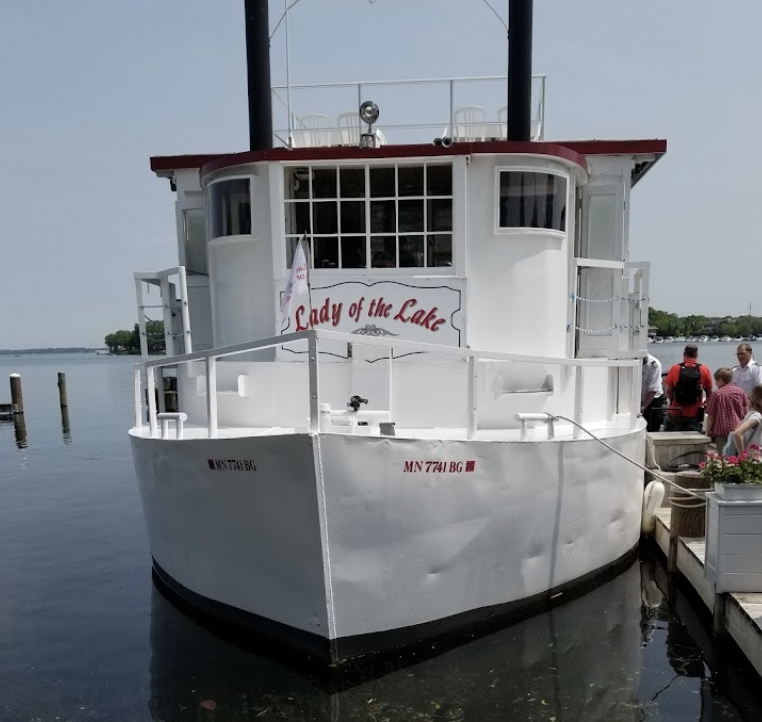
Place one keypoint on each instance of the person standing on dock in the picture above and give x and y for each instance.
(653, 403)
(748, 373)
(688, 385)
(725, 409)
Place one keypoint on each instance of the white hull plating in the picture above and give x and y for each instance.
(343, 536)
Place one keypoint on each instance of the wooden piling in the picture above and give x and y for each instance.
(62, 396)
(688, 513)
(17, 398)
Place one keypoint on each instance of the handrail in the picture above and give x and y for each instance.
(319, 334)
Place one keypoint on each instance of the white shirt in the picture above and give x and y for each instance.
(651, 378)
(747, 378)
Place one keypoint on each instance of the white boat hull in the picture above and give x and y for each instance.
(350, 544)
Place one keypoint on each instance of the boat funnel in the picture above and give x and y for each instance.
(258, 74)
(519, 70)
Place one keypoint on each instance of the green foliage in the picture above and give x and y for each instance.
(129, 341)
(670, 324)
(743, 469)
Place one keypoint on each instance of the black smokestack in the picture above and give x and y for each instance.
(519, 69)
(258, 70)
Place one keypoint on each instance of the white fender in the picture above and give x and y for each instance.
(652, 499)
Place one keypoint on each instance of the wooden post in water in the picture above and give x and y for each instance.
(688, 516)
(62, 397)
(17, 399)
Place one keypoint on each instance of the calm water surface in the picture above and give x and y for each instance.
(84, 635)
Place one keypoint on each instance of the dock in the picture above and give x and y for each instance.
(735, 615)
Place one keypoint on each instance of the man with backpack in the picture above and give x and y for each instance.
(687, 386)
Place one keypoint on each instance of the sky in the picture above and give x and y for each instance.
(91, 89)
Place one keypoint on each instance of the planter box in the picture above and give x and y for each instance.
(733, 561)
(738, 492)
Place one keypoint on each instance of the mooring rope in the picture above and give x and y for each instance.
(700, 498)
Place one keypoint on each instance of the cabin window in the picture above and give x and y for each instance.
(529, 199)
(195, 243)
(230, 208)
(370, 216)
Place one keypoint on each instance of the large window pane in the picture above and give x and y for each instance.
(410, 216)
(383, 252)
(352, 217)
(352, 182)
(532, 200)
(324, 217)
(439, 250)
(439, 180)
(298, 218)
(411, 251)
(383, 217)
(324, 183)
(382, 183)
(195, 241)
(296, 183)
(326, 252)
(353, 252)
(439, 215)
(230, 203)
(410, 180)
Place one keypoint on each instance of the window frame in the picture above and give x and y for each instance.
(367, 200)
(513, 230)
(208, 205)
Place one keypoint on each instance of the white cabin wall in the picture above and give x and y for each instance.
(241, 270)
(518, 279)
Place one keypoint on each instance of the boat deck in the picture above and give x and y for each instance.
(741, 613)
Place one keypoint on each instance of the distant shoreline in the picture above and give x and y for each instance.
(31, 351)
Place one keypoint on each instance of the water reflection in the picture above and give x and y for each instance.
(579, 661)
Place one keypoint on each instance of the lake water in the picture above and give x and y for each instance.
(84, 635)
(712, 354)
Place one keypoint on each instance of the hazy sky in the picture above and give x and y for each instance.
(90, 89)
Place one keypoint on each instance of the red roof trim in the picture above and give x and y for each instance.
(573, 151)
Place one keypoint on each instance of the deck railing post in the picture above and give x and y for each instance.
(312, 356)
(187, 336)
(211, 396)
(151, 393)
(138, 400)
(472, 380)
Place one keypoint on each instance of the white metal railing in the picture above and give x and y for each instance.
(432, 114)
(316, 410)
(170, 303)
(628, 303)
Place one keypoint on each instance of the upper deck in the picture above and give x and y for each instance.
(413, 111)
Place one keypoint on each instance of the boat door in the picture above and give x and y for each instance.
(600, 276)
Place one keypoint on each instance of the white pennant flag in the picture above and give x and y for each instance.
(297, 280)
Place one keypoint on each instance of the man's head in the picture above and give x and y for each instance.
(743, 354)
(723, 376)
(691, 351)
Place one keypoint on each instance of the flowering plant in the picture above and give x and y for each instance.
(746, 468)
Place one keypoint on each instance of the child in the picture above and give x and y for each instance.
(749, 431)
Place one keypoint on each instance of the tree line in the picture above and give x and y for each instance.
(670, 324)
(125, 341)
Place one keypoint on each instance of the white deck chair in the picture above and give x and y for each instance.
(470, 123)
(349, 128)
(312, 130)
(502, 119)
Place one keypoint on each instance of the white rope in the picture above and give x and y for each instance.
(682, 490)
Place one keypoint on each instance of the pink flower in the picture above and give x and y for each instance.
(702, 465)
(753, 447)
(732, 460)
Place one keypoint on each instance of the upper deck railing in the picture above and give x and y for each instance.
(411, 111)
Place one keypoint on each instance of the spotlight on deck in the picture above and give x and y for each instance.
(369, 114)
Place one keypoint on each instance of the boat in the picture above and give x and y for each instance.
(437, 430)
